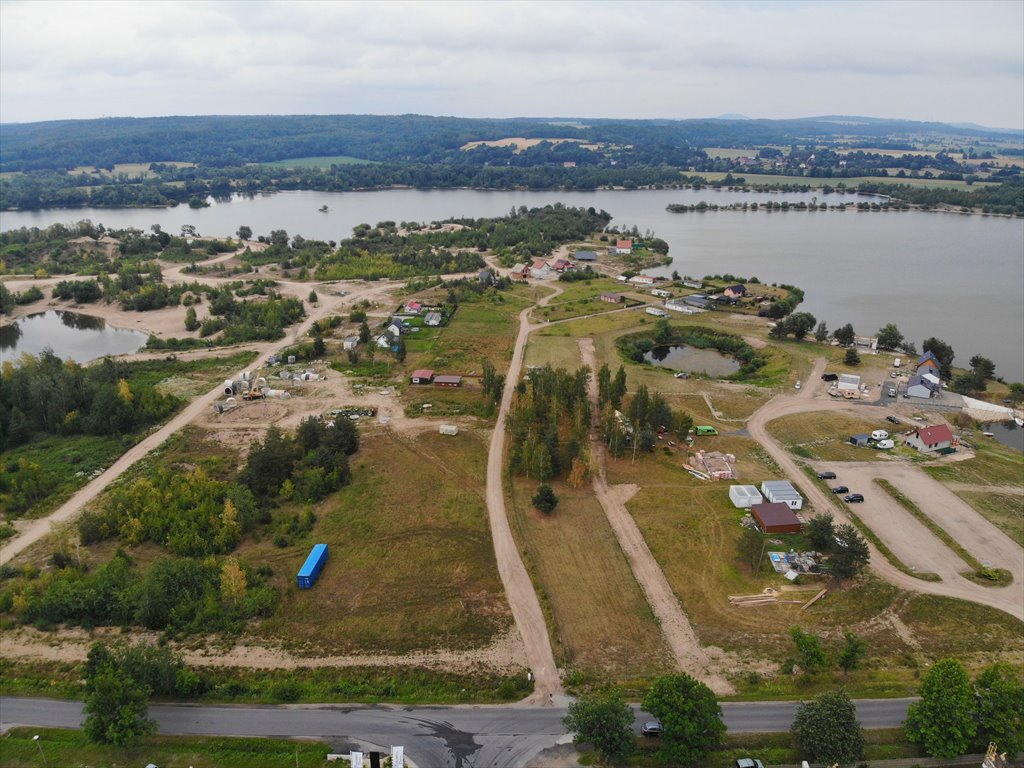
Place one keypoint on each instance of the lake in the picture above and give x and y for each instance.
(69, 334)
(679, 357)
(957, 277)
(1007, 433)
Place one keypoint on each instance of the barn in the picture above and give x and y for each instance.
(776, 517)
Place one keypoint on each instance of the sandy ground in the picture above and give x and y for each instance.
(810, 399)
(679, 635)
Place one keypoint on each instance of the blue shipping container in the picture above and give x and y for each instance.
(312, 567)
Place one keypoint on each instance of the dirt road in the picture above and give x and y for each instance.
(675, 626)
(1009, 599)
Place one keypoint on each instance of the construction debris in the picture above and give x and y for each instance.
(813, 600)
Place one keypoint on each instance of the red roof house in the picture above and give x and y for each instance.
(930, 439)
(422, 376)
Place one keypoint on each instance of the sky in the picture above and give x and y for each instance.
(942, 60)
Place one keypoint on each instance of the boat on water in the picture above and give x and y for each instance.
(323, 209)
(989, 434)
(1018, 421)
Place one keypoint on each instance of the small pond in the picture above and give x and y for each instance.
(69, 334)
(1007, 433)
(680, 357)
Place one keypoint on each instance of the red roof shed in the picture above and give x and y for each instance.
(776, 517)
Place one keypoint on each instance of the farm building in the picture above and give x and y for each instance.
(561, 265)
(585, 256)
(870, 343)
(612, 298)
(715, 464)
(422, 376)
(776, 518)
(679, 305)
(693, 284)
(931, 439)
(782, 491)
(849, 382)
(447, 381)
(745, 496)
(432, 319)
(485, 277)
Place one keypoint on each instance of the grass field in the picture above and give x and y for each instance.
(823, 436)
(131, 169)
(767, 179)
(603, 628)
(323, 161)
(412, 564)
(71, 748)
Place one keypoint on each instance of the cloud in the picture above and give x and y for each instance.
(947, 61)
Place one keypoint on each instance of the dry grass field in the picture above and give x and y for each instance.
(823, 436)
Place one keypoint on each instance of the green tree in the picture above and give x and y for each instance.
(618, 390)
(983, 367)
(691, 719)
(810, 654)
(800, 324)
(850, 552)
(604, 720)
(943, 720)
(889, 337)
(682, 423)
(852, 654)
(1000, 707)
(820, 530)
(827, 729)
(244, 233)
(844, 335)
(400, 351)
(604, 385)
(116, 706)
(821, 333)
(943, 353)
(364, 332)
(750, 548)
(852, 357)
(312, 298)
(545, 499)
(319, 348)
(662, 330)
(191, 323)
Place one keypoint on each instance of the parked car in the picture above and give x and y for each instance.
(749, 762)
(651, 728)
(853, 498)
(798, 384)
(840, 489)
(826, 475)
(885, 445)
(892, 391)
(682, 375)
(894, 375)
(892, 420)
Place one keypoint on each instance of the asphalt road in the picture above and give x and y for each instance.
(433, 737)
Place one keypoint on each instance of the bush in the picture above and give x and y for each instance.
(545, 499)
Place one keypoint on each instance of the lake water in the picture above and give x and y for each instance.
(679, 357)
(960, 278)
(69, 334)
(1007, 433)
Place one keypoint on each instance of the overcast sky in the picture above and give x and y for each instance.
(947, 61)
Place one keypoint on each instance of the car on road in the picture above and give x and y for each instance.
(892, 391)
(853, 498)
(749, 762)
(826, 475)
(840, 489)
(682, 375)
(798, 384)
(651, 728)
(892, 420)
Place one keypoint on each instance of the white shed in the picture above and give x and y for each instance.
(782, 492)
(744, 496)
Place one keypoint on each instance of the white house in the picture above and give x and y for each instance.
(931, 439)
(656, 312)
(782, 492)
(540, 269)
(744, 496)
(623, 247)
(642, 280)
(350, 342)
(432, 319)
(661, 293)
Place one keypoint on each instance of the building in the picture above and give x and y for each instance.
(561, 265)
(519, 272)
(612, 298)
(698, 300)
(642, 280)
(869, 343)
(678, 305)
(349, 342)
(447, 381)
(661, 293)
(737, 291)
(432, 319)
(776, 518)
(623, 247)
(859, 441)
(585, 256)
(745, 496)
(413, 307)
(693, 284)
(922, 386)
(540, 269)
(782, 492)
(656, 312)
(849, 382)
(928, 358)
(486, 277)
(931, 439)
(422, 376)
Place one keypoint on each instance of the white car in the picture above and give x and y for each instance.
(885, 445)
(798, 384)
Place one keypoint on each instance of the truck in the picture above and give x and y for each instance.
(311, 568)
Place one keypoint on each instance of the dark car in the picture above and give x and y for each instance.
(840, 489)
(651, 728)
(830, 377)
(747, 762)
(892, 420)
(853, 498)
(826, 475)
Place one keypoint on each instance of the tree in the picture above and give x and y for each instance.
(605, 721)
(116, 706)
(364, 332)
(545, 499)
(618, 390)
(855, 648)
(191, 322)
(604, 385)
(851, 552)
(820, 531)
(889, 337)
(750, 547)
(682, 423)
(852, 358)
(312, 298)
(691, 719)
(821, 333)
(400, 351)
(943, 720)
(984, 368)
(244, 233)
(1000, 707)
(844, 335)
(319, 348)
(800, 324)
(808, 647)
(233, 582)
(943, 353)
(827, 729)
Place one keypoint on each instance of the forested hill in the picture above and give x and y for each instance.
(221, 141)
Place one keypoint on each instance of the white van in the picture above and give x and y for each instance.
(896, 363)
(885, 445)
(879, 434)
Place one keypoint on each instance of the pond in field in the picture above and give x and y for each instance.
(69, 334)
(1007, 433)
(679, 357)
